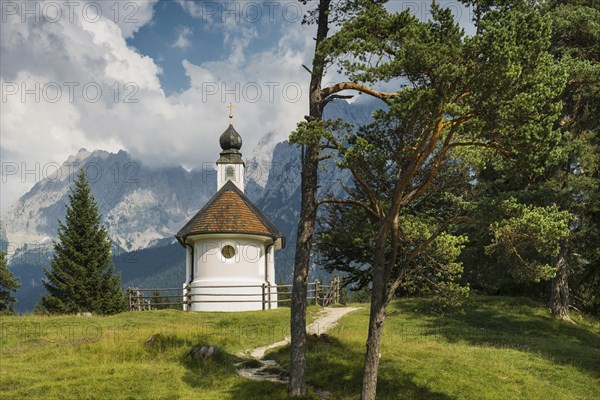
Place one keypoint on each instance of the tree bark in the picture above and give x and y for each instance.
(381, 276)
(372, 355)
(297, 383)
(559, 294)
(308, 215)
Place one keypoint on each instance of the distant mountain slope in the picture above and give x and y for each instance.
(139, 204)
(143, 207)
(280, 199)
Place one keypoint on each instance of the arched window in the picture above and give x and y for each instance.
(230, 173)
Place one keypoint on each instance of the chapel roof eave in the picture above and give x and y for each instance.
(212, 218)
(230, 157)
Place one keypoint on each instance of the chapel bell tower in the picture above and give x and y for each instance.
(229, 243)
(230, 166)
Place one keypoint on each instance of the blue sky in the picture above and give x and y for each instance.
(165, 72)
(153, 77)
(156, 40)
(202, 33)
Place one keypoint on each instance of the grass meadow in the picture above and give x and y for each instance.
(498, 348)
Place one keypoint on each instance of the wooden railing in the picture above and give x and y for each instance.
(318, 293)
(331, 292)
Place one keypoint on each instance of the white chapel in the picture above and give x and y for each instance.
(230, 244)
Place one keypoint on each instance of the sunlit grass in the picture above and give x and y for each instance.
(499, 348)
(67, 357)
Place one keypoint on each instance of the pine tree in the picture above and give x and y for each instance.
(576, 178)
(82, 275)
(570, 181)
(324, 14)
(8, 284)
(493, 95)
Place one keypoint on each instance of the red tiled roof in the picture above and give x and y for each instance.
(229, 211)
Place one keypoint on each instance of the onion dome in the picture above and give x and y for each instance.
(230, 139)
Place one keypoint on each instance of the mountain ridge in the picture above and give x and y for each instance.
(143, 207)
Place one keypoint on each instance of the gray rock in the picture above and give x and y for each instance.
(203, 352)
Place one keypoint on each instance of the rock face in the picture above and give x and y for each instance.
(258, 166)
(139, 205)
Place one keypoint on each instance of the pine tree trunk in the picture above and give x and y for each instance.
(297, 383)
(381, 276)
(306, 225)
(559, 295)
(376, 320)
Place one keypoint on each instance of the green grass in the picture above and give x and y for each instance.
(499, 348)
(67, 357)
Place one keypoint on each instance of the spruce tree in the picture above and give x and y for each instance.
(82, 275)
(8, 284)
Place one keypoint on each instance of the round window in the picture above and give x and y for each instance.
(228, 251)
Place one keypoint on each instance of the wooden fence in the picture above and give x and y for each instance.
(142, 300)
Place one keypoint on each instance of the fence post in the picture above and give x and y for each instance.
(186, 297)
(264, 296)
(140, 300)
(136, 299)
(190, 298)
(317, 292)
(269, 285)
(129, 297)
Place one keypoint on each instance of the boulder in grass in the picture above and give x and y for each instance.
(203, 352)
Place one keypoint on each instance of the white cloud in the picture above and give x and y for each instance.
(269, 87)
(192, 7)
(184, 33)
(129, 16)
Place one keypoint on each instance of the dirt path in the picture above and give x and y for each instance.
(269, 369)
(326, 320)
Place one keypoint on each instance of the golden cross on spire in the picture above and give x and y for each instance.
(231, 107)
